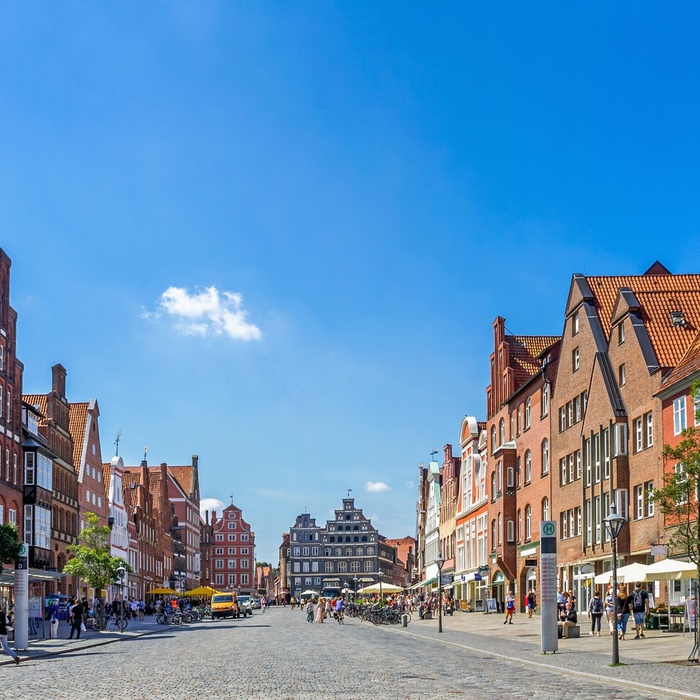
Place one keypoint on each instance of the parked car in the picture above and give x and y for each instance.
(256, 603)
(225, 605)
(245, 605)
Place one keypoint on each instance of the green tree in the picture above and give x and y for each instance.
(9, 544)
(92, 561)
(679, 498)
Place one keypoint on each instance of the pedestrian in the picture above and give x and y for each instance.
(567, 619)
(4, 622)
(510, 608)
(610, 614)
(531, 602)
(53, 619)
(76, 618)
(320, 610)
(310, 611)
(624, 603)
(640, 608)
(595, 613)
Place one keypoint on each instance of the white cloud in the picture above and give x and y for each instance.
(210, 504)
(376, 487)
(206, 312)
(410, 485)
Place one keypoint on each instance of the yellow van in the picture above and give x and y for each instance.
(224, 605)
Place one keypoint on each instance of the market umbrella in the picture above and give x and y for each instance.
(671, 569)
(161, 591)
(309, 593)
(202, 592)
(625, 574)
(386, 588)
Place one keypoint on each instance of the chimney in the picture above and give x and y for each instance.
(58, 380)
(195, 461)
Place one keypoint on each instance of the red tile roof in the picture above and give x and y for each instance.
(524, 350)
(658, 295)
(689, 365)
(77, 426)
(38, 400)
(185, 477)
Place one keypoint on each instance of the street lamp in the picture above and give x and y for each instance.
(613, 524)
(354, 590)
(440, 562)
(380, 573)
(121, 571)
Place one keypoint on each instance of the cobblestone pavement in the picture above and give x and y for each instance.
(278, 655)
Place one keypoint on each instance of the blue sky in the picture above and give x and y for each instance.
(276, 234)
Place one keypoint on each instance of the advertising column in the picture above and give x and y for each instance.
(21, 598)
(548, 586)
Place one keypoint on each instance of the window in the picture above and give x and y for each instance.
(681, 479)
(570, 413)
(545, 456)
(575, 360)
(621, 374)
(596, 458)
(231, 526)
(577, 408)
(649, 498)
(621, 333)
(545, 399)
(528, 467)
(500, 528)
(589, 529)
(638, 435)
(232, 538)
(563, 472)
(622, 502)
(577, 463)
(545, 508)
(528, 522)
(649, 421)
(562, 419)
(218, 538)
(493, 534)
(527, 413)
(606, 453)
(502, 432)
(679, 415)
(520, 525)
(596, 518)
(493, 439)
(577, 516)
(587, 461)
(575, 324)
(510, 531)
(639, 501)
(511, 477)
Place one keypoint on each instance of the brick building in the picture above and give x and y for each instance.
(515, 478)
(405, 560)
(11, 370)
(54, 427)
(449, 493)
(233, 551)
(622, 336)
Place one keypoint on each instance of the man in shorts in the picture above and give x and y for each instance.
(640, 608)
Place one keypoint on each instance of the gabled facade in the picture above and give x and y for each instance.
(234, 551)
(471, 518)
(432, 523)
(449, 491)
(117, 518)
(622, 337)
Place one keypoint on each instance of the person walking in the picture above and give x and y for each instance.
(510, 608)
(595, 613)
(310, 611)
(76, 618)
(320, 610)
(52, 614)
(610, 610)
(3, 637)
(640, 608)
(624, 602)
(531, 602)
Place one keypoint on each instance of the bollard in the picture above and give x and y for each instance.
(404, 620)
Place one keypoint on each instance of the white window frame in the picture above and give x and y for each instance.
(680, 418)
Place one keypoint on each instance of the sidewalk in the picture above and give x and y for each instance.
(63, 645)
(648, 662)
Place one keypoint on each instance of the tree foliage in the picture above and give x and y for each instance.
(679, 498)
(9, 544)
(91, 558)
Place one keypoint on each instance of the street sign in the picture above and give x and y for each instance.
(24, 550)
(548, 586)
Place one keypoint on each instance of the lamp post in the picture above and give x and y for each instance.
(354, 590)
(439, 561)
(380, 573)
(120, 572)
(613, 524)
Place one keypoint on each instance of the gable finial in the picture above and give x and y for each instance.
(145, 453)
(232, 498)
(116, 442)
(349, 492)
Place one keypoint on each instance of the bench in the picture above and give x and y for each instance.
(574, 632)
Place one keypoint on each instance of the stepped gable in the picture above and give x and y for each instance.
(658, 294)
(689, 364)
(523, 353)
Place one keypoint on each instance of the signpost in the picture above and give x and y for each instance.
(21, 598)
(548, 586)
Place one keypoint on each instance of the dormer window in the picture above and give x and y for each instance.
(621, 333)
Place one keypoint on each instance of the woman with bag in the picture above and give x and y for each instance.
(3, 637)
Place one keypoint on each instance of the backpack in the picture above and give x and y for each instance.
(597, 605)
(638, 600)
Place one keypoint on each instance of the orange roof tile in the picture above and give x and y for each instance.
(184, 476)
(658, 296)
(77, 426)
(38, 400)
(524, 350)
(689, 365)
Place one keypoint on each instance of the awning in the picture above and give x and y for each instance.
(427, 582)
(7, 578)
